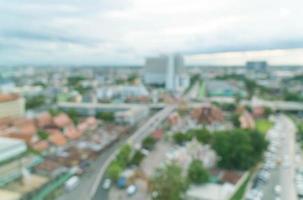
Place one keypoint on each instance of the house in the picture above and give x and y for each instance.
(210, 191)
(174, 118)
(247, 121)
(258, 111)
(44, 120)
(207, 114)
(71, 133)
(11, 105)
(56, 137)
(40, 145)
(157, 134)
(62, 120)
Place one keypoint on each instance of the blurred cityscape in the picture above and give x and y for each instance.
(165, 130)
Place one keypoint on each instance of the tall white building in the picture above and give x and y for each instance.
(155, 70)
(168, 71)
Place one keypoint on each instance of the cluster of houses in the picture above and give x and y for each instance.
(45, 130)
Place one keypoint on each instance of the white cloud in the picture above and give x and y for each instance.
(101, 31)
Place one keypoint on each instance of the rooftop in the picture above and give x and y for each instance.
(10, 148)
(8, 97)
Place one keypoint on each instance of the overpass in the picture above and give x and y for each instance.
(92, 108)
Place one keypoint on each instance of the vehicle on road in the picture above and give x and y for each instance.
(107, 184)
(278, 189)
(131, 190)
(72, 183)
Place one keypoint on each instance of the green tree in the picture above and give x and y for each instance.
(35, 102)
(73, 114)
(136, 158)
(106, 116)
(168, 183)
(202, 135)
(180, 138)
(123, 156)
(235, 120)
(54, 112)
(149, 143)
(43, 135)
(197, 174)
(239, 149)
(114, 170)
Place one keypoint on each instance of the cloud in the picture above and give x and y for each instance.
(125, 31)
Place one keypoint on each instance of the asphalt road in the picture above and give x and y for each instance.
(88, 179)
(283, 175)
(143, 131)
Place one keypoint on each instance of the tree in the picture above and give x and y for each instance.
(43, 135)
(148, 143)
(123, 156)
(35, 101)
(202, 135)
(267, 111)
(73, 114)
(181, 138)
(114, 170)
(235, 120)
(168, 183)
(106, 116)
(137, 158)
(197, 174)
(54, 112)
(239, 149)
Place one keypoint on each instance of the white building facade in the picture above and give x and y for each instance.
(168, 71)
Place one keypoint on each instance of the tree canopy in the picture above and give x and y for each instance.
(239, 149)
(197, 174)
(168, 183)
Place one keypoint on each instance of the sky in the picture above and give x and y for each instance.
(122, 32)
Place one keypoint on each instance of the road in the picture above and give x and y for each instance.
(274, 105)
(284, 173)
(193, 92)
(97, 192)
(88, 179)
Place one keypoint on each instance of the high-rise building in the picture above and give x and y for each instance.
(258, 66)
(168, 71)
(155, 70)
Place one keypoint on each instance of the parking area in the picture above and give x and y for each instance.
(275, 178)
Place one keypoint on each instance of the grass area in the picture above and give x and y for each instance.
(241, 191)
(202, 89)
(263, 125)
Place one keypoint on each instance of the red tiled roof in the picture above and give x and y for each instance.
(62, 120)
(40, 145)
(231, 176)
(157, 134)
(57, 139)
(44, 119)
(8, 97)
(72, 133)
(208, 114)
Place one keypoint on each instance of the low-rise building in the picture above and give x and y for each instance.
(247, 121)
(11, 105)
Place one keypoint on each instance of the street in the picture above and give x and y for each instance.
(97, 192)
(283, 174)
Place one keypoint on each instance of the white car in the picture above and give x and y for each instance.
(131, 190)
(107, 184)
(278, 189)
